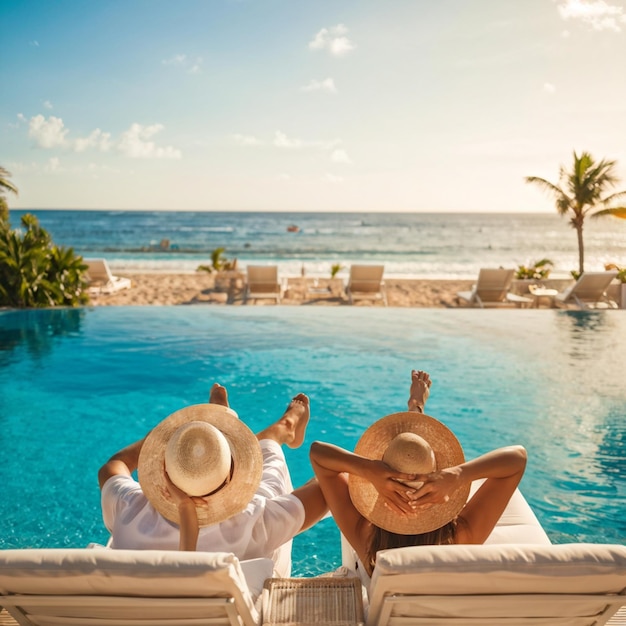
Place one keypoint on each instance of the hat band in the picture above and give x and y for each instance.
(226, 481)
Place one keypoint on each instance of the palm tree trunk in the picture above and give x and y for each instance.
(581, 249)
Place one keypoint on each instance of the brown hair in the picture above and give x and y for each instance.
(381, 539)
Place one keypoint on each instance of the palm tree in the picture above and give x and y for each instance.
(581, 192)
(5, 185)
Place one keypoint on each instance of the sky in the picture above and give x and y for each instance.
(308, 105)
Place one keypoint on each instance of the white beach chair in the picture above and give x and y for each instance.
(75, 587)
(366, 282)
(492, 289)
(588, 292)
(262, 282)
(517, 578)
(498, 585)
(101, 280)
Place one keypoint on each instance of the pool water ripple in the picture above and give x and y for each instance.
(77, 385)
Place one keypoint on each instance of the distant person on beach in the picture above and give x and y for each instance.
(207, 482)
(407, 483)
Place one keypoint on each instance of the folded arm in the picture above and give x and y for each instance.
(332, 466)
(502, 470)
(122, 463)
(188, 517)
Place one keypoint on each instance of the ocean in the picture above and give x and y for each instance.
(410, 245)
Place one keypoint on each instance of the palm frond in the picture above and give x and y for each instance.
(5, 183)
(614, 196)
(619, 211)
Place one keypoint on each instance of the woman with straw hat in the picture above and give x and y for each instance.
(407, 483)
(207, 482)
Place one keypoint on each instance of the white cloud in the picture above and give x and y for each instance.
(283, 177)
(34, 43)
(281, 140)
(333, 40)
(177, 59)
(51, 133)
(97, 139)
(47, 133)
(182, 61)
(47, 104)
(328, 85)
(195, 68)
(332, 178)
(597, 13)
(246, 140)
(340, 156)
(135, 143)
(549, 88)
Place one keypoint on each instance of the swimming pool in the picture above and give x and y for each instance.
(77, 385)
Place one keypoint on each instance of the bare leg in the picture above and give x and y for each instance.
(218, 395)
(420, 390)
(291, 427)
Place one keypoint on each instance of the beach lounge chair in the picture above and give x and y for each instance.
(518, 524)
(517, 577)
(101, 280)
(75, 587)
(492, 290)
(507, 584)
(366, 282)
(262, 282)
(588, 292)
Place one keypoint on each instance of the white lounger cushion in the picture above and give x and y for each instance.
(547, 582)
(518, 523)
(133, 573)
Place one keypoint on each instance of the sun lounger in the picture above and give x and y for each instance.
(262, 282)
(101, 280)
(366, 282)
(518, 524)
(573, 584)
(103, 587)
(589, 292)
(492, 289)
(516, 578)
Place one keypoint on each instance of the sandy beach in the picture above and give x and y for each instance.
(201, 288)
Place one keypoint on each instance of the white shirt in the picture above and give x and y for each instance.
(263, 529)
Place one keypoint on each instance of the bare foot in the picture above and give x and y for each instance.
(218, 395)
(420, 390)
(291, 427)
(297, 416)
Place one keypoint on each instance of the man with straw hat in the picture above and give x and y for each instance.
(407, 483)
(207, 482)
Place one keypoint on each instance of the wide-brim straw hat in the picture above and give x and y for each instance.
(247, 464)
(373, 444)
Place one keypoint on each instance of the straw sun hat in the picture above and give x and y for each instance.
(412, 443)
(207, 451)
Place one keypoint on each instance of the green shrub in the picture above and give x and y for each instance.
(219, 263)
(537, 271)
(35, 273)
(621, 271)
(335, 268)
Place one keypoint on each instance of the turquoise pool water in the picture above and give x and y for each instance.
(77, 385)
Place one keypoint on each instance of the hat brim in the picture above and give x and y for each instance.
(247, 464)
(372, 445)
